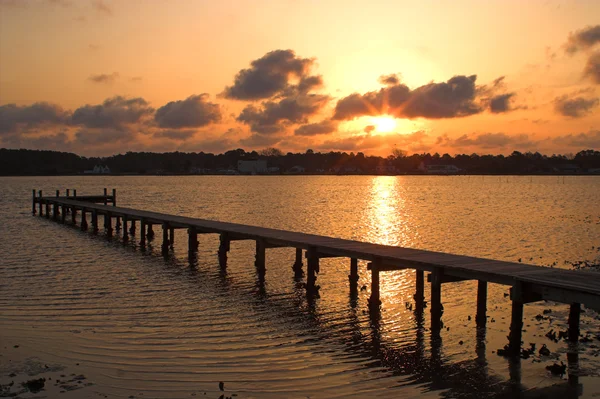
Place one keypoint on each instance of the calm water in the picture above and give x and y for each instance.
(140, 323)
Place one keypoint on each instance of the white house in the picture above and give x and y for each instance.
(252, 167)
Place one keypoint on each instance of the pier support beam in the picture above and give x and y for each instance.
(33, 211)
(150, 234)
(108, 224)
(142, 232)
(63, 214)
(132, 229)
(481, 316)
(171, 237)
(192, 240)
(47, 210)
(224, 247)
(516, 319)
(260, 258)
(40, 202)
(374, 300)
(353, 276)
(125, 231)
(117, 223)
(73, 215)
(419, 296)
(312, 268)
(436, 299)
(574, 314)
(165, 243)
(297, 267)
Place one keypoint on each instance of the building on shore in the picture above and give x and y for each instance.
(252, 167)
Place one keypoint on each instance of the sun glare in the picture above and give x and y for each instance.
(384, 124)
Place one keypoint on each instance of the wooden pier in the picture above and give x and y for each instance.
(529, 283)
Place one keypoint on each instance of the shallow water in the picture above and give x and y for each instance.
(140, 323)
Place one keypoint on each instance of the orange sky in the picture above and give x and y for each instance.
(100, 77)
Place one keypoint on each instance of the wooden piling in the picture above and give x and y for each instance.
(94, 221)
(374, 300)
(63, 215)
(74, 193)
(224, 246)
(105, 195)
(165, 243)
(353, 276)
(40, 202)
(47, 210)
(312, 268)
(150, 234)
(142, 232)
(33, 211)
(419, 296)
(125, 231)
(516, 319)
(192, 240)
(260, 257)
(83, 223)
(55, 207)
(481, 316)
(436, 299)
(297, 267)
(132, 228)
(117, 222)
(574, 315)
(108, 224)
(171, 237)
(73, 214)
(114, 196)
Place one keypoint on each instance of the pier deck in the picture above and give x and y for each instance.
(528, 283)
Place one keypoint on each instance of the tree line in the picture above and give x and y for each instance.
(37, 162)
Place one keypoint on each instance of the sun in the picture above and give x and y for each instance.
(384, 123)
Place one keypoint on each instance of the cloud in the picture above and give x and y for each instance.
(273, 116)
(13, 116)
(313, 129)
(96, 137)
(58, 142)
(501, 103)
(113, 113)
(574, 107)
(592, 67)
(491, 140)
(102, 7)
(581, 140)
(104, 78)
(179, 135)
(369, 128)
(368, 141)
(310, 82)
(194, 111)
(583, 39)
(389, 80)
(270, 75)
(452, 99)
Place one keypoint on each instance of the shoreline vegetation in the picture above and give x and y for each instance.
(271, 161)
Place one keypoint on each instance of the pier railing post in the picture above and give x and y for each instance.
(574, 315)
(436, 299)
(224, 246)
(374, 300)
(260, 257)
(481, 317)
(516, 319)
(312, 268)
(114, 197)
(353, 276)
(75, 194)
(297, 267)
(33, 212)
(105, 195)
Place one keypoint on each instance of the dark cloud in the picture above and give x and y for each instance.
(102, 7)
(104, 78)
(274, 116)
(257, 140)
(13, 116)
(372, 141)
(501, 103)
(389, 80)
(99, 137)
(581, 140)
(592, 67)
(270, 75)
(58, 142)
(455, 98)
(180, 135)
(583, 39)
(113, 113)
(491, 140)
(308, 83)
(574, 107)
(195, 111)
(313, 129)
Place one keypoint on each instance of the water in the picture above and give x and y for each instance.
(139, 324)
